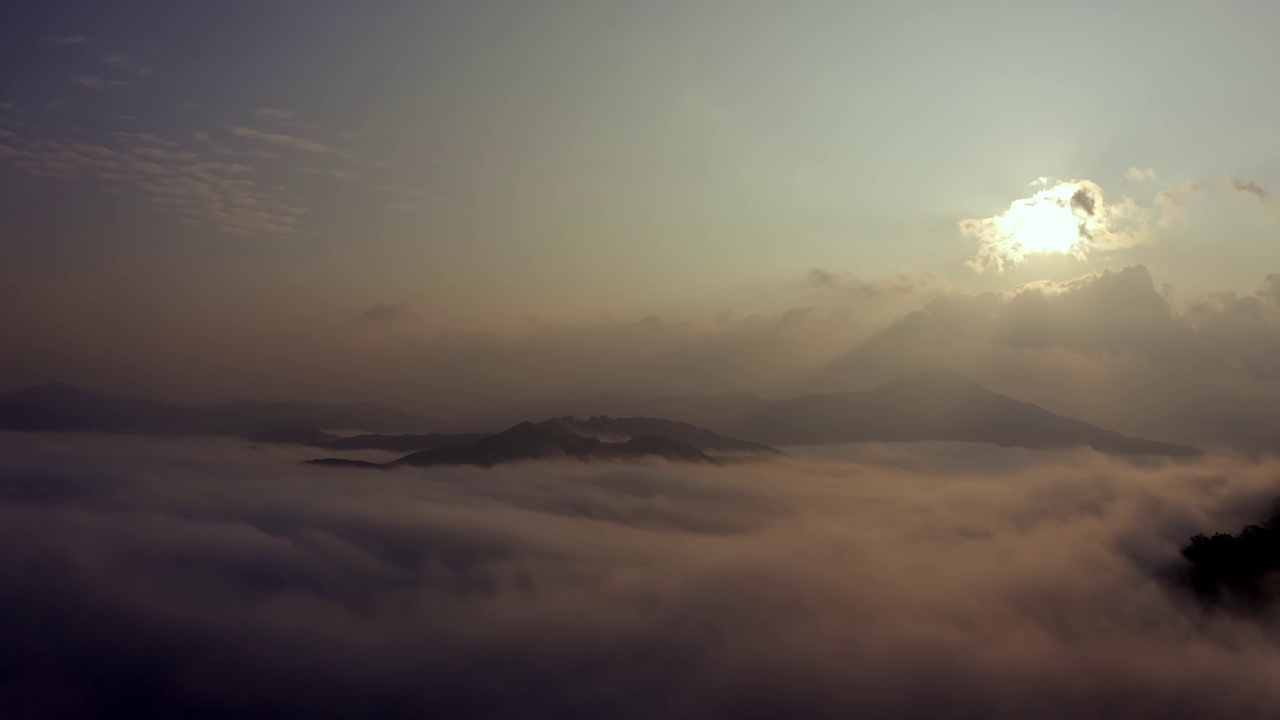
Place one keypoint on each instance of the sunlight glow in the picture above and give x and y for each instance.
(1068, 218)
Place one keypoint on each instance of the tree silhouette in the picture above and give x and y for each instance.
(1232, 568)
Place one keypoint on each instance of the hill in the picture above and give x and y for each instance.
(591, 439)
(934, 406)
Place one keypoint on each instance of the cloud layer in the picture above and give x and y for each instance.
(206, 580)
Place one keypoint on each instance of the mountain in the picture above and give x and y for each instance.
(934, 406)
(628, 428)
(92, 410)
(597, 438)
(75, 408)
(706, 410)
(552, 440)
(19, 416)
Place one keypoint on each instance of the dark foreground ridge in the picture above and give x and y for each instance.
(591, 439)
(1240, 571)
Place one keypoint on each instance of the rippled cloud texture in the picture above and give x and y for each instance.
(202, 579)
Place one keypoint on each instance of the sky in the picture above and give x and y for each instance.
(450, 207)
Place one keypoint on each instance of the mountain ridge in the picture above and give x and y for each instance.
(937, 405)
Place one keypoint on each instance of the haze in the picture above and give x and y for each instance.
(652, 315)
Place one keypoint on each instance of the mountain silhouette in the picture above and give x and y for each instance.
(928, 406)
(627, 428)
(551, 440)
(934, 406)
(19, 416)
(89, 410)
(590, 439)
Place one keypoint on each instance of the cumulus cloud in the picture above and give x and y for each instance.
(198, 579)
(1138, 174)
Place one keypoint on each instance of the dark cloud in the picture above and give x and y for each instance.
(1250, 188)
(900, 283)
(383, 313)
(1084, 200)
(68, 40)
(192, 579)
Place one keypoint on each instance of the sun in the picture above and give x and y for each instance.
(1066, 218)
(1054, 220)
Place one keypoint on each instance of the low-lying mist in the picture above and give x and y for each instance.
(206, 578)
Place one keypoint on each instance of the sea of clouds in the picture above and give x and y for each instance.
(206, 578)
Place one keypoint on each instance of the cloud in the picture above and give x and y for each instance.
(148, 138)
(274, 114)
(1249, 188)
(168, 178)
(844, 281)
(384, 313)
(401, 206)
(290, 141)
(1069, 218)
(95, 82)
(127, 64)
(1110, 347)
(163, 154)
(68, 40)
(200, 578)
(1138, 174)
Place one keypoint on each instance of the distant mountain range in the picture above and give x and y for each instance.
(589, 439)
(929, 406)
(934, 406)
